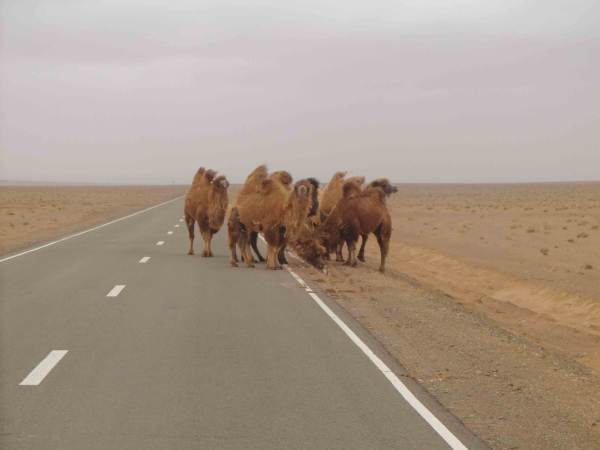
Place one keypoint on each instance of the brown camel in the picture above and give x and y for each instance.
(268, 204)
(206, 203)
(330, 197)
(305, 251)
(358, 214)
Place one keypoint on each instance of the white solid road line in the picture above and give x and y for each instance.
(37, 375)
(160, 242)
(144, 260)
(169, 232)
(413, 401)
(88, 230)
(116, 290)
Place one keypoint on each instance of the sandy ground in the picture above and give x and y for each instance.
(526, 255)
(30, 215)
(492, 301)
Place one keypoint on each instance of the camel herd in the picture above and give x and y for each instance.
(311, 222)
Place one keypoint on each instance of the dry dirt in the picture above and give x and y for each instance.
(30, 215)
(492, 301)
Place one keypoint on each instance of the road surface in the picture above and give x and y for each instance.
(116, 339)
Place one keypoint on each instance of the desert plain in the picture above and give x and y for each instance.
(35, 214)
(491, 299)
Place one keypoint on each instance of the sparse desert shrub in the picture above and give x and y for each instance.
(531, 230)
(582, 235)
(588, 267)
(544, 251)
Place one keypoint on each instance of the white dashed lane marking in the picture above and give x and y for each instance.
(177, 226)
(160, 242)
(144, 260)
(116, 290)
(169, 232)
(37, 375)
(181, 220)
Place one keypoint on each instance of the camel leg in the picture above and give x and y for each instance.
(338, 251)
(244, 245)
(351, 261)
(350, 234)
(361, 252)
(233, 242)
(189, 222)
(272, 261)
(253, 239)
(210, 233)
(272, 238)
(270, 257)
(281, 255)
(206, 239)
(383, 235)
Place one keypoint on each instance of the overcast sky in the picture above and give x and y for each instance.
(415, 90)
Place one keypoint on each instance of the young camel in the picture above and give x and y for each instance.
(206, 203)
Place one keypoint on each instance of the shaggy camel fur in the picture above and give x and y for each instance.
(358, 214)
(332, 193)
(330, 218)
(206, 203)
(267, 204)
(310, 253)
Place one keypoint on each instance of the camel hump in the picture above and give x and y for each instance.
(357, 180)
(283, 176)
(338, 176)
(198, 175)
(259, 172)
(350, 188)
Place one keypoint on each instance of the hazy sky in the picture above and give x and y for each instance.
(416, 90)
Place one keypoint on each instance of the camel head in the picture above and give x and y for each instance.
(302, 191)
(306, 245)
(384, 185)
(221, 182)
(209, 175)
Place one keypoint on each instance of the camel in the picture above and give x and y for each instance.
(206, 203)
(286, 179)
(272, 206)
(359, 214)
(330, 197)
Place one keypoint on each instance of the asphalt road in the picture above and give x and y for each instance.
(190, 354)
